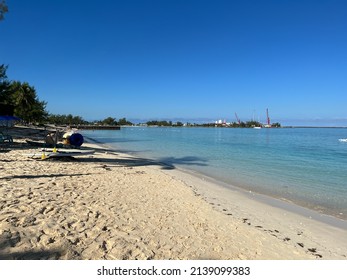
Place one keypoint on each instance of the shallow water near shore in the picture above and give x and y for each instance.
(304, 165)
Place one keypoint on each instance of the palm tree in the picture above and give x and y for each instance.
(25, 95)
(4, 85)
(27, 105)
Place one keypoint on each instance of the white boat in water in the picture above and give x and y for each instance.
(343, 140)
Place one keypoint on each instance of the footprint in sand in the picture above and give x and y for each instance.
(29, 221)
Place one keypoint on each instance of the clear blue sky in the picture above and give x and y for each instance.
(187, 59)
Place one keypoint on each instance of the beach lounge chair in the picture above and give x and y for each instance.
(5, 138)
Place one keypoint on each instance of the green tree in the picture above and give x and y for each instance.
(109, 121)
(3, 9)
(159, 123)
(26, 103)
(4, 86)
(3, 75)
(65, 119)
(78, 120)
(124, 121)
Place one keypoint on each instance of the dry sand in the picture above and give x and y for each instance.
(114, 206)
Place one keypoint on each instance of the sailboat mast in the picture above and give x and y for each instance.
(267, 115)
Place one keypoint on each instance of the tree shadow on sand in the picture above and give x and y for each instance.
(167, 163)
(11, 241)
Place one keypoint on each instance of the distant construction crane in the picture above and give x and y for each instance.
(267, 117)
(237, 118)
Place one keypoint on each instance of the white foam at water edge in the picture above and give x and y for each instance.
(343, 140)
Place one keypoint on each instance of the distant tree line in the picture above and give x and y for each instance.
(113, 121)
(163, 123)
(77, 120)
(248, 124)
(65, 119)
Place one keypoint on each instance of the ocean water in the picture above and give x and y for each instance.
(307, 166)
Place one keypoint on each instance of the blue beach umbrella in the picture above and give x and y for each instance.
(9, 118)
(8, 121)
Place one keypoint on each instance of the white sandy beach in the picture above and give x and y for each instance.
(114, 206)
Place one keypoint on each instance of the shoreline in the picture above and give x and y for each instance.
(223, 196)
(325, 215)
(112, 205)
(272, 201)
(320, 193)
(264, 198)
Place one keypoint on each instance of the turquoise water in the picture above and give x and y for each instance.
(307, 166)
